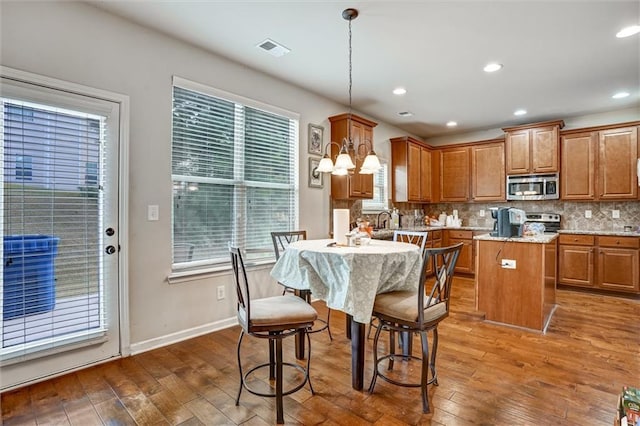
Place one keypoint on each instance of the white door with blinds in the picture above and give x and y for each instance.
(59, 191)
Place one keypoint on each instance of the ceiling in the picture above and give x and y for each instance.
(561, 58)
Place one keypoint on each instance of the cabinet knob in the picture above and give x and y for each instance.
(575, 240)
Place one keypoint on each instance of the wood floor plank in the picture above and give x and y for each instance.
(488, 374)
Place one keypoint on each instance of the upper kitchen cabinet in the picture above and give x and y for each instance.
(617, 159)
(599, 163)
(454, 173)
(488, 172)
(532, 148)
(411, 170)
(354, 185)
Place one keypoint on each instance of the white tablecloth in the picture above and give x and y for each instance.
(348, 278)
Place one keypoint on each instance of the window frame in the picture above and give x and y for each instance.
(239, 226)
(371, 206)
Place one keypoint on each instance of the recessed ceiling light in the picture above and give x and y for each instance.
(399, 91)
(620, 95)
(628, 31)
(405, 113)
(492, 67)
(520, 112)
(451, 124)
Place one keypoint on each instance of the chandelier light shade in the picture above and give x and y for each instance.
(344, 162)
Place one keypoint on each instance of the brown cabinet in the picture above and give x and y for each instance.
(532, 148)
(618, 263)
(434, 241)
(576, 260)
(411, 170)
(488, 172)
(465, 263)
(617, 158)
(600, 164)
(454, 174)
(602, 262)
(354, 185)
(578, 166)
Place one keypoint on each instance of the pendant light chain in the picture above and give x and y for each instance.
(350, 83)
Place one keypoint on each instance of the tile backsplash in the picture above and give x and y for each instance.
(573, 213)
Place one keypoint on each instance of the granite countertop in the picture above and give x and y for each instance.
(388, 233)
(537, 239)
(590, 232)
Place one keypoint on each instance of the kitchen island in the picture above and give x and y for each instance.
(516, 278)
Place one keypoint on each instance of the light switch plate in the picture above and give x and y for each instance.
(587, 214)
(615, 214)
(153, 212)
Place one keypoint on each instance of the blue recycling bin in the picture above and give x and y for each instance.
(28, 275)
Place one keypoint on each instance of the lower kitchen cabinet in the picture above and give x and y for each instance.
(434, 241)
(465, 264)
(602, 262)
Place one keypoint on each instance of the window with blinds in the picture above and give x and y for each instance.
(380, 191)
(234, 172)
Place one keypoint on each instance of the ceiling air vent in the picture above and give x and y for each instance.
(273, 48)
(405, 113)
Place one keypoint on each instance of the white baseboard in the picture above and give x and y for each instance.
(179, 336)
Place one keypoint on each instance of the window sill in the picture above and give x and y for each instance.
(183, 276)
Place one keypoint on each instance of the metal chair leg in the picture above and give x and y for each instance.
(434, 351)
(279, 379)
(425, 371)
(240, 368)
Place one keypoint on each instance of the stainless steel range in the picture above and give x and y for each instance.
(551, 221)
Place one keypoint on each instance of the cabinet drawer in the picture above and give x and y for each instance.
(463, 235)
(435, 235)
(623, 242)
(577, 240)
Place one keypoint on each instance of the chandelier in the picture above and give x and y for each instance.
(344, 162)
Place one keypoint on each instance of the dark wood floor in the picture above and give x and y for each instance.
(488, 374)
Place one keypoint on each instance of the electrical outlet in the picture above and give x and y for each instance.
(220, 292)
(615, 214)
(587, 214)
(508, 264)
(153, 212)
(481, 213)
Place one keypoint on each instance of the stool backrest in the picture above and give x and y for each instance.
(281, 240)
(443, 261)
(242, 287)
(418, 238)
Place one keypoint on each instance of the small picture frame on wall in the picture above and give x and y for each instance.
(315, 177)
(315, 139)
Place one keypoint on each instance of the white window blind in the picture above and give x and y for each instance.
(234, 169)
(379, 202)
(51, 262)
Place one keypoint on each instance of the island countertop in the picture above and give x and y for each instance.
(538, 239)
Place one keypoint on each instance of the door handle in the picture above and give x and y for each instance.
(110, 250)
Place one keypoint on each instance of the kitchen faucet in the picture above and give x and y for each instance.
(384, 221)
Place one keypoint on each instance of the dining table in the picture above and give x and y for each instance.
(348, 278)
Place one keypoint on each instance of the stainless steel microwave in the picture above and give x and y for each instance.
(533, 187)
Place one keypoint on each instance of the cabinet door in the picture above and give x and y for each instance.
(578, 166)
(576, 265)
(454, 174)
(465, 259)
(366, 181)
(517, 152)
(413, 171)
(544, 149)
(618, 269)
(488, 172)
(617, 157)
(425, 174)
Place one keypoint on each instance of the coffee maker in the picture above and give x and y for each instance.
(508, 222)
